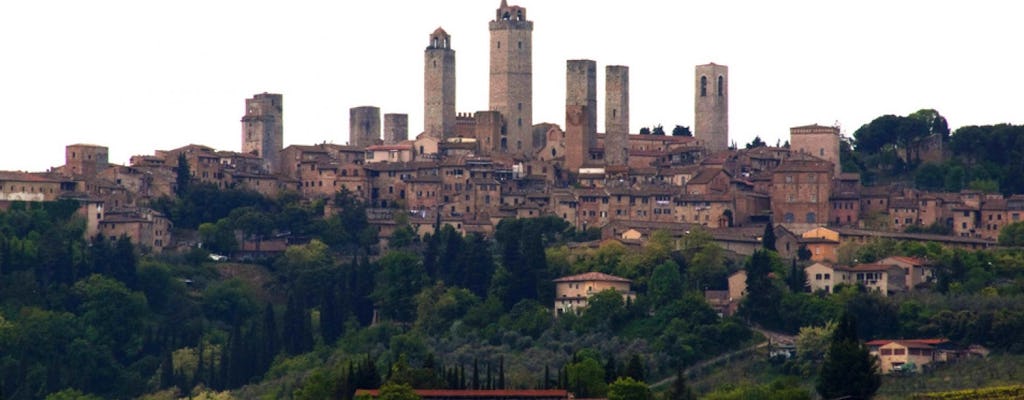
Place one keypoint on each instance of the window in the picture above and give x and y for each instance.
(788, 218)
(789, 178)
(828, 276)
(721, 86)
(821, 152)
(703, 86)
(817, 277)
(811, 218)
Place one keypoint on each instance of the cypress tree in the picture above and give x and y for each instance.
(848, 369)
(547, 378)
(797, 279)
(271, 342)
(501, 372)
(476, 375)
(330, 317)
(768, 238)
(167, 370)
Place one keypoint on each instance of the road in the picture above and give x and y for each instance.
(770, 336)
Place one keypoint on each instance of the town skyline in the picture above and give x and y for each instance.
(174, 76)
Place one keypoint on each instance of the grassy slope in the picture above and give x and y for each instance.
(996, 370)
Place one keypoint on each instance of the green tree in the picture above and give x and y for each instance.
(763, 297)
(679, 389)
(666, 284)
(849, 369)
(392, 391)
(1012, 234)
(399, 280)
(586, 378)
(796, 279)
(680, 130)
(768, 237)
(757, 142)
(658, 130)
(626, 388)
(183, 176)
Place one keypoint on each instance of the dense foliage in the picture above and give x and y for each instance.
(96, 317)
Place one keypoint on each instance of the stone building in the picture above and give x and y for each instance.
(439, 86)
(572, 292)
(85, 159)
(819, 141)
(263, 129)
(616, 115)
(800, 193)
(396, 128)
(711, 106)
(364, 126)
(511, 85)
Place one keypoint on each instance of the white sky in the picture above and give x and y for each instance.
(143, 75)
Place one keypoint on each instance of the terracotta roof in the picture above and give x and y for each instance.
(24, 177)
(476, 393)
(592, 276)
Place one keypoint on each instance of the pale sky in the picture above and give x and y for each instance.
(137, 76)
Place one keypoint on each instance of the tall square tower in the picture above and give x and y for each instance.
(263, 129)
(439, 86)
(711, 106)
(511, 86)
(364, 126)
(580, 112)
(616, 115)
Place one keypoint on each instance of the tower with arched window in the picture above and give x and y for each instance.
(439, 86)
(711, 106)
(511, 82)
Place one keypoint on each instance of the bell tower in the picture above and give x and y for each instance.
(711, 106)
(439, 86)
(511, 86)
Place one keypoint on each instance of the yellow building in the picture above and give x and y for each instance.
(908, 355)
(572, 292)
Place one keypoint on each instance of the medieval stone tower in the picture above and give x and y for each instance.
(819, 141)
(364, 126)
(616, 115)
(396, 128)
(439, 86)
(711, 106)
(511, 86)
(580, 112)
(263, 129)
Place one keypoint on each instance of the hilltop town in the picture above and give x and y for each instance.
(613, 261)
(473, 169)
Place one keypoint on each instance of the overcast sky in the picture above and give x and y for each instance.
(143, 75)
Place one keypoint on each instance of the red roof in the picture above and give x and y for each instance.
(476, 393)
(592, 276)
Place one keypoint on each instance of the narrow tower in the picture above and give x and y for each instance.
(616, 115)
(711, 106)
(580, 112)
(263, 129)
(364, 126)
(439, 86)
(511, 86)
(396, 128)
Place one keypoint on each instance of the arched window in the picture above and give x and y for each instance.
(811, 218)
(788, 218)
(553, 152)
(721, 86)
(434, 43)
(504, 143)
(703, 86)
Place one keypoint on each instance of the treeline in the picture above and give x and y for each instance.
(986, 158)
(974, 298)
